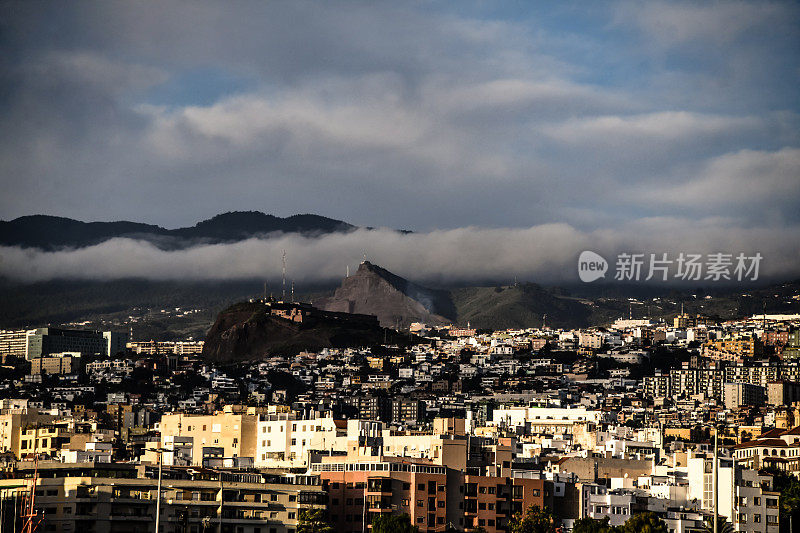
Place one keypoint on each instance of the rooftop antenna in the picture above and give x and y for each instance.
(544, 321)
(365, 258)
(348, 271)
(284, 275)
(630, 311)
(265, 291)
(292, 291)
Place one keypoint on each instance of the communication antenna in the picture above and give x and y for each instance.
(265, 291)
(284, 275)
(630, 312)
(348, 271)
(365, 257)
(292, 291)
(544, 321)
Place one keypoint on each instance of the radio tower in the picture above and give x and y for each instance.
(284, 276)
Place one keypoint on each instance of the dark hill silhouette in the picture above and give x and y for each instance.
(50, 233)
(246, 331)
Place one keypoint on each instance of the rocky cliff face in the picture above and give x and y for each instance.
(396, 302)
(246, 332)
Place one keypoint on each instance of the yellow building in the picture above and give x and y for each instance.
(42, 439)
(732, 348)
(235, 433)
(13, 423)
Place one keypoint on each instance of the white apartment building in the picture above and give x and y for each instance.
(283, 440)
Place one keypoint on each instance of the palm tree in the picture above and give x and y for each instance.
(723, 526)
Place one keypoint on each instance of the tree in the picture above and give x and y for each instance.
(789, 488)
(723, 526)
(393, 524)
(590, 525)
(535, 520)
(313, 521)
(644, 523)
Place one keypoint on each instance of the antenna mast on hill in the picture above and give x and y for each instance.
(292, 291)
(284, 276)
(348, 271)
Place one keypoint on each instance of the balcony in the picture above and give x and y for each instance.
(379, 485)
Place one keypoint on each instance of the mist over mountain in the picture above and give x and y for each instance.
(52, 233)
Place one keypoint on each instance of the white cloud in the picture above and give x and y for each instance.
(541, 253)
(719, 23)
(746, 177)
(667, 126)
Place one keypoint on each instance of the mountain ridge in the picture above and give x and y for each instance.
(49, 232)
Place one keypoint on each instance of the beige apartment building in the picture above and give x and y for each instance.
(26, 426)
(234, 433)
(121, 498)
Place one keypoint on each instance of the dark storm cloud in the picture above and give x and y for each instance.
(418, 116)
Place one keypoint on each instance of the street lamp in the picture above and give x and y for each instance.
(158, 496)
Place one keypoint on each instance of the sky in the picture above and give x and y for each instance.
(603, 119)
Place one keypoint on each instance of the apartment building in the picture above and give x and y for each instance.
(14, 423)
(14, 342)
(284, 440)
(434, 496)
(745, 496)
(106, 498)
(232, 433)
(361, 489)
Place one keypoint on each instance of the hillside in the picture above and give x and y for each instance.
(517, 306)
(245, 331)
(150, 306)
(396, 301)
